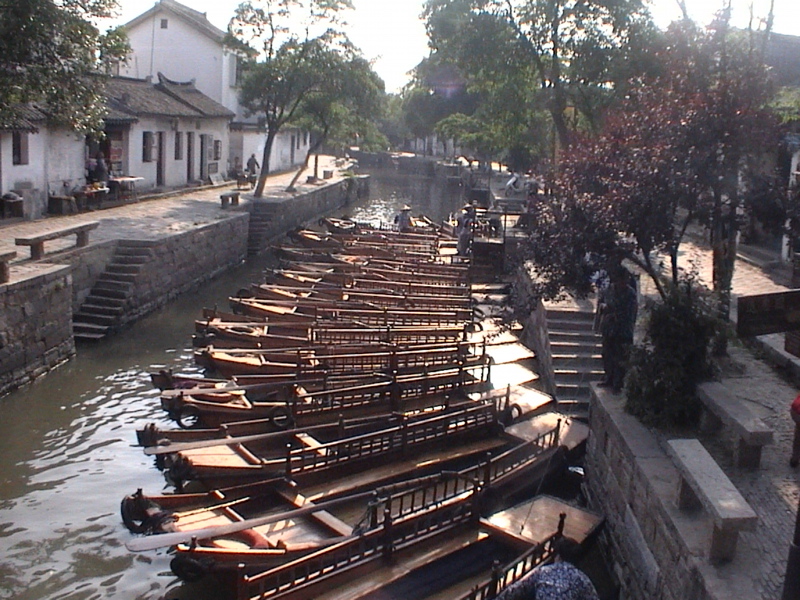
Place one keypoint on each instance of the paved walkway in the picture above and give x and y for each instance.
(153, 217)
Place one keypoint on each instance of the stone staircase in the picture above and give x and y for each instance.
(104, 308)
(576, 355)
(261, 217)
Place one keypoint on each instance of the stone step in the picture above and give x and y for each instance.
(94, 318)
(575, 336)
(128, 269)
(109, 292)
(578, 362)
(569, 325)
(104, 282)
(130, 259)
(102, 309)
(575, 408)
(576, 376)
(108, 301)
(88, 337)
(121, 278)
(89, 327)
(573, 391)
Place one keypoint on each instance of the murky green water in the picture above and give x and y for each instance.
(67, 453)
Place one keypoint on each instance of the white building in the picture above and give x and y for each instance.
(181, 43)
(168, 133)
(38, 160)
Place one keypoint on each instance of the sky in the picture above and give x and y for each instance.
(391, 33)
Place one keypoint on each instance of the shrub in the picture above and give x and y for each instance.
(664, 372)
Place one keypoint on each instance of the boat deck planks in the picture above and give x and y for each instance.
(512, 374)
(573, 433)
(509, 352)
(527, 399)
(531, 522)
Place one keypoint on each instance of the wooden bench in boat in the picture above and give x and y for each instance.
(36, 242)
(722, 407)
(5, 269)
(704, 484)
(310, 442)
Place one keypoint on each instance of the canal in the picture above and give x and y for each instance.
(67, 441)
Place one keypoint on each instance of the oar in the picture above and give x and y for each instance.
(197, 511)
(171, 539)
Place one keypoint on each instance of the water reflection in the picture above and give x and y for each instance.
(67, 441)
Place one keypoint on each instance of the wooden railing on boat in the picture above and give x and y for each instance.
(503, 576)
(303, 360)
(292, 579)
(403, 437)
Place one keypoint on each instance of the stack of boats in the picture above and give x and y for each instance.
(366, 433)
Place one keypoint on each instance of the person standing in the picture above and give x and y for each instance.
(794, 411)
(403, 219)
(561, 580)
(618, 309)
(464, 229)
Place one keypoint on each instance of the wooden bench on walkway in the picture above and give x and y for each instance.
(231, 198)
(37, 242)
(723, 408)
(5, 269)
(704, 484)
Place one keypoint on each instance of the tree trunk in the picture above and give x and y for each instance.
(262, 177)
(723, 244)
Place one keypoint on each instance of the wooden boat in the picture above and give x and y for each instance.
(391, 521)
(370, 317)
(200, 408)
(324, 454)
(337, 359)
(257, 533)
(254, 334)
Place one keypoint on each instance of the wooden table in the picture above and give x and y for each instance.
(125, 187)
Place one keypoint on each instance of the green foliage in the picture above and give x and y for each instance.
(664, 372)
(296, 43)
(53, 56)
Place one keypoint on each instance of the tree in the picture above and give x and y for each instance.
(53, 56)
(574, 48)
(687, 140)
(343, 107)
(293, 41)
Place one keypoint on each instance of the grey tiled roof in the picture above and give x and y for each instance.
(139, 97)
(193, 17)
(188, 93)
(23, 117)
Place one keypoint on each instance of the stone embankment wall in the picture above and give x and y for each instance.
(658, 552)
(35, 325)
(273, 217)
(184, 261)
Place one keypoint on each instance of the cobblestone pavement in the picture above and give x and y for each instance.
(149, 219)
(772, 490)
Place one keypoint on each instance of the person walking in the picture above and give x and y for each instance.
(561, 580)
(252, 165)
(618, 309)
(794, 411)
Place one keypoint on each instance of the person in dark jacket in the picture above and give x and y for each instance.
(561, 580)
(618, 309)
